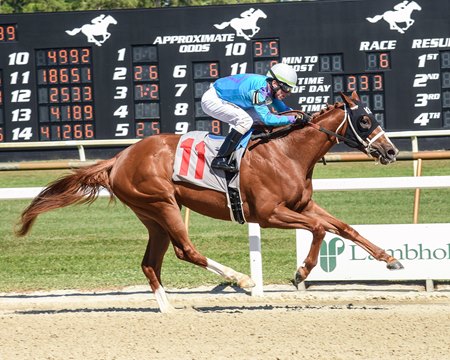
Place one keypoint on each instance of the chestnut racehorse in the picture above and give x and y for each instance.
(276, 189)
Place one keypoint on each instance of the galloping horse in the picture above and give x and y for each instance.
(401, 14)
(99, 27)
(247, 22)
(276, 188)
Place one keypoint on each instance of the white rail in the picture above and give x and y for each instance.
(423, 182)
(81, 144)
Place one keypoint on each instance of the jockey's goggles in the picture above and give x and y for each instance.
(285, 87)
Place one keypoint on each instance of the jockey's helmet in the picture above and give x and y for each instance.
(283, 73)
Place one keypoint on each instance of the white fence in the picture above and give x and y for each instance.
(81, 144)
(424, 182)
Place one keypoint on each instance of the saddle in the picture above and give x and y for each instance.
(194, 154)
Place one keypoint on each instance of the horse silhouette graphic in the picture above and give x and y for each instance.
(401, 14)
(247, 21)
(97, 28)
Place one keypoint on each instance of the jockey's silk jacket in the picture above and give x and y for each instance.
(252, 91)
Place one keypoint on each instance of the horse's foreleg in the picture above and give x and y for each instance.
(338, 227)
(285, 218)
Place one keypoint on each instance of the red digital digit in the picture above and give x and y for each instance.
(215, 127)
(65, 94)
(140, 129)
(87, 93)
(63, 57)
(77, 113)
(78, 131)
(11, 31)
(351, 83)
(88, 131)
(64, 75)
(53, 76)
(384, 61)
(363, 83)
(88, 112)
(45, 132)
(73, 55)
(54, 94)
(75, 75)
(67, 132)
(1, 135)
(258, 48)
(85, 56)
(213, 70)
(273, 45)
(137, 73)
(378, 82)
(52, 56)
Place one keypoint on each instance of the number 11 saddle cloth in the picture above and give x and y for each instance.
(194, 154)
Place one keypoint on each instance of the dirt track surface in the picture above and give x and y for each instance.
(225, 323)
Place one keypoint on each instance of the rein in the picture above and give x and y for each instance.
(284, 131)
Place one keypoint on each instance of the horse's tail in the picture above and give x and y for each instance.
(73, 31)
(222, 26)
(81, 186)
(375, 18)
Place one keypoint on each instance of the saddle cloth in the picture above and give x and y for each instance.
(194, 154)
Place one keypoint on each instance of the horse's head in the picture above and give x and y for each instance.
(260, 14)
(365, 133)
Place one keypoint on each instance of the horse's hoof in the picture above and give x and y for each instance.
(395, 265)
(246, 282)
(298, 279)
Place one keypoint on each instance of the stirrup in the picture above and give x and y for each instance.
(222, 163)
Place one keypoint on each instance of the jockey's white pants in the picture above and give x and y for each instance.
(225, 111)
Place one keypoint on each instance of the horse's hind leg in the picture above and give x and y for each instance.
(172, 221)
(157, 245)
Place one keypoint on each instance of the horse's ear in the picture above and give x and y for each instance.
(355, 96)
(348, 100)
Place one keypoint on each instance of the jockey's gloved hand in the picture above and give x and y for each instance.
(302, 118)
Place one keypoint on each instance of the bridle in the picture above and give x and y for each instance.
(360, 143)
(366, 144)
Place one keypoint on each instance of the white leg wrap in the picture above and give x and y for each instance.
(163, 301)
(244, 281)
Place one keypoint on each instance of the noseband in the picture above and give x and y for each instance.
(365, 144)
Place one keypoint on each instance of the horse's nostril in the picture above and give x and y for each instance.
(392, 153)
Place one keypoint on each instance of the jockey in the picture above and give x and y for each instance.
(240, 100)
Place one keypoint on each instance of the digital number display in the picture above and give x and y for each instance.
(57, 132)
(74, 56)
(206, 70)
(8, 33)
(358, 82)
(212, 126)
(262, 66)
(378, 61)
(200, 87)
(266, 49)
(124, 74)
(65, 93)
(146, 110)
(445, 59)
(146, 90)
(331, 63)
(147, 53)
(144, 129)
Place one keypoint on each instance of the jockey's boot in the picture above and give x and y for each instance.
(221, 161)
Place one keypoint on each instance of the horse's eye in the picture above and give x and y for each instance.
(365, 122)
